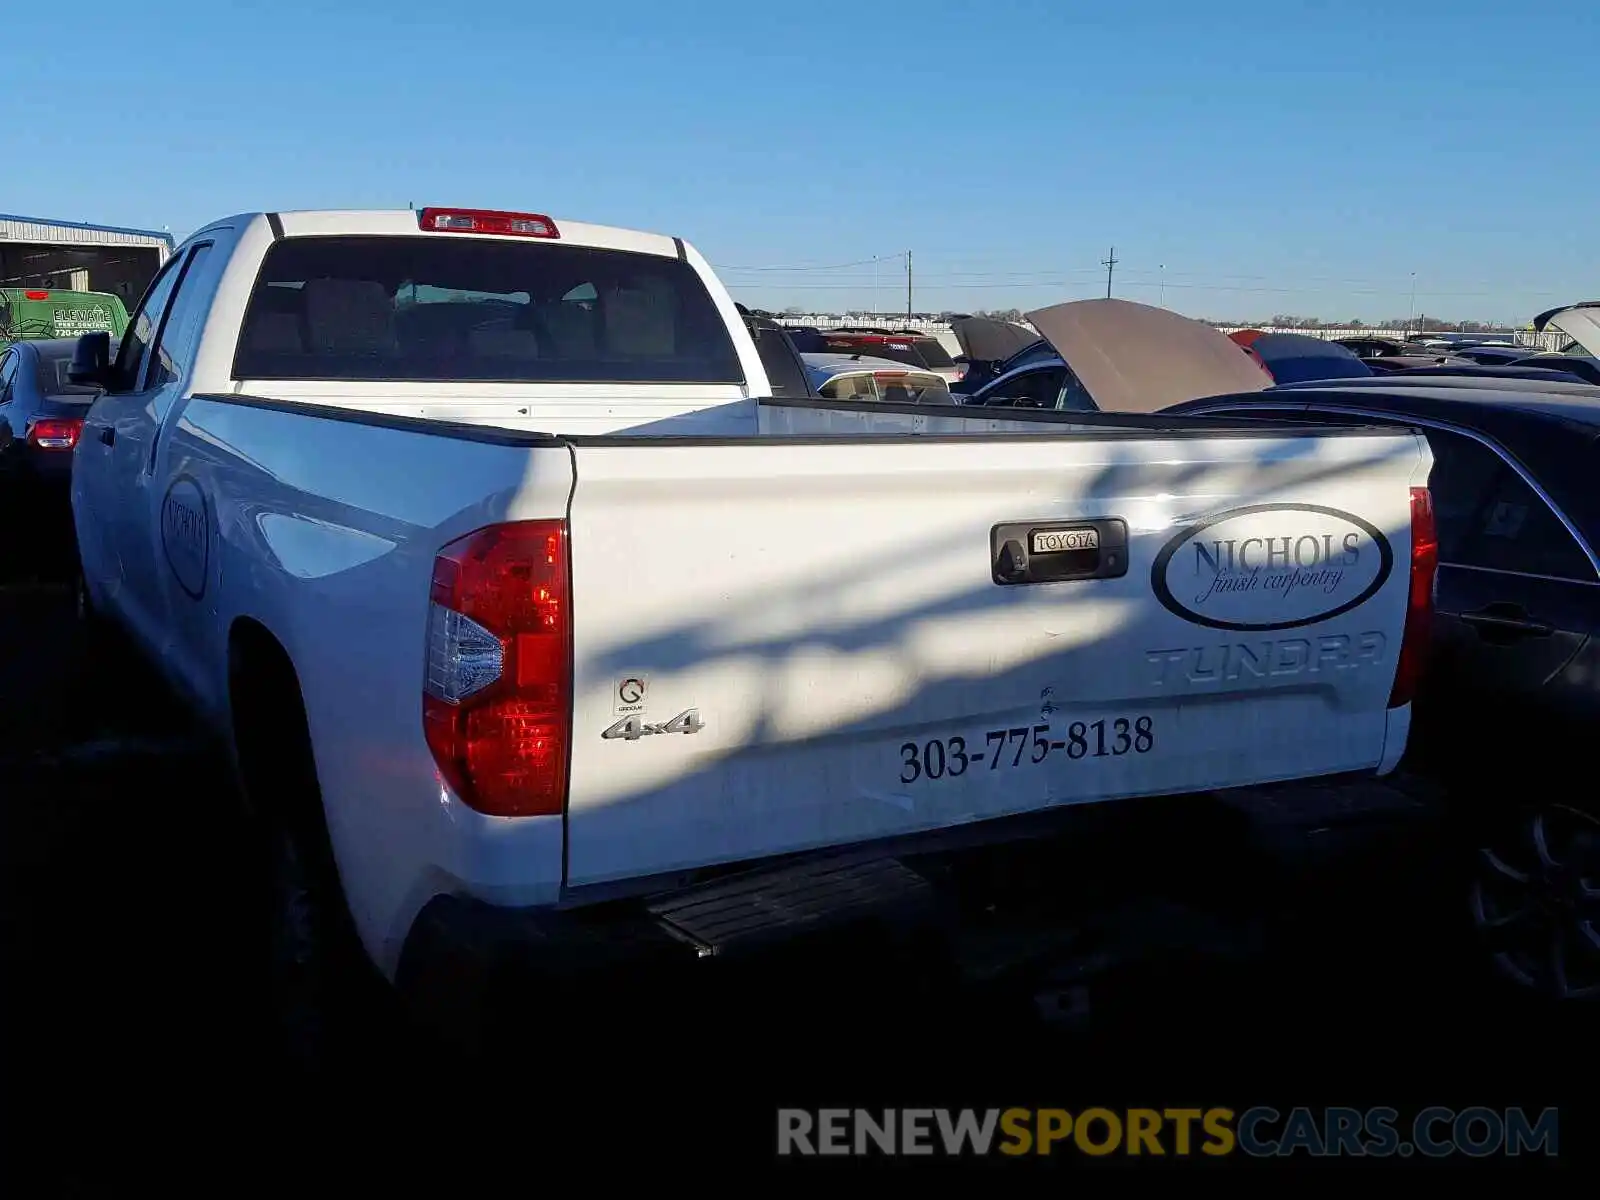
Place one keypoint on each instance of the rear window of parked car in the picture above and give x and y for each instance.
(433, 308)
(909, 388)
(51, 375)
(913, 351)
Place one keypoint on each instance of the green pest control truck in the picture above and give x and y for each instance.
(28, 314)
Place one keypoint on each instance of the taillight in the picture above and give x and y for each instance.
(497, 694)
(481, 220)
(1414, 643)
(55, 433)
(35, 295)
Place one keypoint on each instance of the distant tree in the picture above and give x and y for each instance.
(794, 310)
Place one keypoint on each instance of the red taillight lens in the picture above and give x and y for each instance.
(1415, 642)
(482, 220)
(35, 295)
(55, 433)
(497, 695)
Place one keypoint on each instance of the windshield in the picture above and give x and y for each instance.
(440, 308)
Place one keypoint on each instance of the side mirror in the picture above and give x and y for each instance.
(91, 360)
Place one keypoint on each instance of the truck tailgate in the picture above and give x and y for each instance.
(785, 645)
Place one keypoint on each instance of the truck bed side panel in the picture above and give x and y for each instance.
(326, 532)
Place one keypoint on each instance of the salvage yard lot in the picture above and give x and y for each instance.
(135, 922)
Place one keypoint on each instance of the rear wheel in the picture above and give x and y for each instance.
(325, 991)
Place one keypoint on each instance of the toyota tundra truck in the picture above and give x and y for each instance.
(480, 540)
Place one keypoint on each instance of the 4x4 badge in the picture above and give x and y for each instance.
(631, 728)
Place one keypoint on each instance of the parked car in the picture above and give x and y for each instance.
(807, 339)
(858, 377)
(1372, 346)
(546, 640)
(913, 349)
(1581, 324)
(1118, 356)
(1470, 370)
(1582, 366)
(1391, 363)
(41, 418)
(1491, 379)
(989, 348)
(1295, 357)
(1499, 354)
(43, 314)
(1507, 708)
(786, 373)
(982, 374)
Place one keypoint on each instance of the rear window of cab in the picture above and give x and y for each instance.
(445, 308)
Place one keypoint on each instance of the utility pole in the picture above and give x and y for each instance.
(908, 285)
(1110, 265)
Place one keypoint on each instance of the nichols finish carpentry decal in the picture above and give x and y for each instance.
(1271, 566)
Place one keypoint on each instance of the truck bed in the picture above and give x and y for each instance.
(821, 595)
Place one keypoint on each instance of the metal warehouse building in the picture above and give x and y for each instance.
(70, 256)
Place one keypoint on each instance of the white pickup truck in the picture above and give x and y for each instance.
(476, 538)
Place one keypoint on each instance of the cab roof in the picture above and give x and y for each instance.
(403, 222)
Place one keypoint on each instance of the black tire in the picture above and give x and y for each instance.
(1533, 901)
(327, 997)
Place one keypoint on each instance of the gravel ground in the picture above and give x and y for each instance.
(136, 1029)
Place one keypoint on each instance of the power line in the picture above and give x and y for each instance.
(860, 262)
(1153, 274)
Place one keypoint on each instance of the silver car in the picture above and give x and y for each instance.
(873, 380)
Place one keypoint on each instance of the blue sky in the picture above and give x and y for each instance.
(1286, 158)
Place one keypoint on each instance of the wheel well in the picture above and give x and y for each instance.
(270, 734)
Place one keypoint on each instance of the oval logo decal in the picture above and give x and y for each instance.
(1271, 566)
(186, 535)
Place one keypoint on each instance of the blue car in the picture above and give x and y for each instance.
(41, 416)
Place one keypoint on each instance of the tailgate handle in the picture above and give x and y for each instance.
(1058, 551)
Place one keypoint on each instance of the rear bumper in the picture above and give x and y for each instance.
(464, 961)
(52, 469)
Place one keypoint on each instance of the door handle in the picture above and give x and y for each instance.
(1505, 622)
(108, 435)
